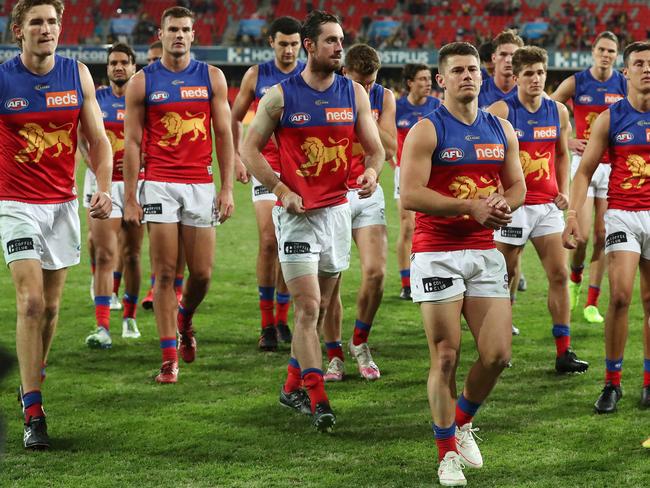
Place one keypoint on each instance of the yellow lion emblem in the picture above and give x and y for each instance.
(38, 141)
(176, 127)
(464, 187)
(319, 155)
(117, 142)
(539, 166)
(638, 169)
(590, 118)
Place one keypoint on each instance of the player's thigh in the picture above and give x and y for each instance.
(442, 326)
(552, 254)
(198, 244)
(372, 242)
(163, 245)
(264, 219)
(490, 321)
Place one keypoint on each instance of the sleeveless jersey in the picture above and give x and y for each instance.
(268, 75)
(357, 167)
(629, 153)
(178, 139)
(491, 93)
(39, 116)
(465, 164)
(538, 133)
(407, 115)
(315, 136)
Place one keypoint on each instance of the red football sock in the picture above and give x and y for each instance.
(646, 379)
(592, 296)
(576, 274)
(446, 445)
(562, 343)
(282, 312)
(613, 377)
(315, 387)
(103, 315)
(294, 381)
(117, 280)
(266, 309)
(168, 347)
(334, 350)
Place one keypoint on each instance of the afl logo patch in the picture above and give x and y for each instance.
(585, 99)
(624, 137)
(159, 96)
(264, 89)
(300, 118)
(520, 133)
(403, 123)
(452, 154)
(16, 104)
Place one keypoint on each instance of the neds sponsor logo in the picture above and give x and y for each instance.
(549, 132)
(489, 152)
(62, 99)
(612, 98)
(120, 115)
(194, 92)
(333, 115)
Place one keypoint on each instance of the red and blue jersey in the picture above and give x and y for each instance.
(269, 74)
(315, 136)
(629, 153)
(178, 136)
(491, 93)
(358, 156)
(593, 97)
(39, 116)
(537, 133)
(407, 115)
(465, 164)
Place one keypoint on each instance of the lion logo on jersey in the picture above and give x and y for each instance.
(39, 140)
(464, 187)
(539, 166)
(590, 118)
(638, 169)
(117, 142)
(318, 154)
(176, 127)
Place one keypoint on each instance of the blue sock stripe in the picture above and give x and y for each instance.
(117, 274)
(614, 364)
(266, 292)
(444, 432)
(577, 269)
(470, 408)
(294, 362)
(561, 330)
(594, 287)
(102, 300)
(184, 311)
(646, 365)
(405, 272)
(130, 298)
(31, 398)
(333, 345)
(153, 280)
(168, 343)
(178, 282)
(361, 325)
(305, 372)
(282, 298)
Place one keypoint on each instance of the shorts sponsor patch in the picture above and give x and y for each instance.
(436, 283)
(297, 248)
(260, 190)
(513, 232)
(615, 238)
(152, 209)
(18, 245)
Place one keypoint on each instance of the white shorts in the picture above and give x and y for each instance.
(530, 221)
(437, 276)
(191, 204)
(367, 211)
(599, 181)
(47, 232)
(260, 193)
(396, 184)
(117, 195)
(627, 231)
(323, 236)
(90, 187)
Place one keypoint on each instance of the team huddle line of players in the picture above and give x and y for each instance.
(477, 176)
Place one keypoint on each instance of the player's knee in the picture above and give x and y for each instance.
(558, 276)
(599, 239)
(620, 299)
(374, 277)
(132, 258)
(51, 311)
(30, 305)
(268, 247)
(447, 357)
(104, 257)
(307, 309)
(495, 360)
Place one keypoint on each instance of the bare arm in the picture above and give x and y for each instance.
(562, 94)
(240, 107)
(99, 148)
(368, 135)
(512, 177)
(221, 124)
(562, 158)
(500, 109)
(133, 129)
(387, 127)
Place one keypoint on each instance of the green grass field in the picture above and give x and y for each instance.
(222, 426)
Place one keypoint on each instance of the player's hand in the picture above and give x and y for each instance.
(241, 173)
(292, 202)
(571, 235)
(101, 205)
(368, 182)
(226, 205)
(498, 201)
(561, 201)
(133, 213)
(486, 213)
(577, 145)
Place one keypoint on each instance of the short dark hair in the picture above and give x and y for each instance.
(609, 35)
(155, 45)
(635, 47)
(311, 27)
(485, 51)
(121, 47)
(21, 8)
(362, 59)
(411, 70)
(286, 25)
(507, 37)
(176, 13)
(456, 49)
(527, 55)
